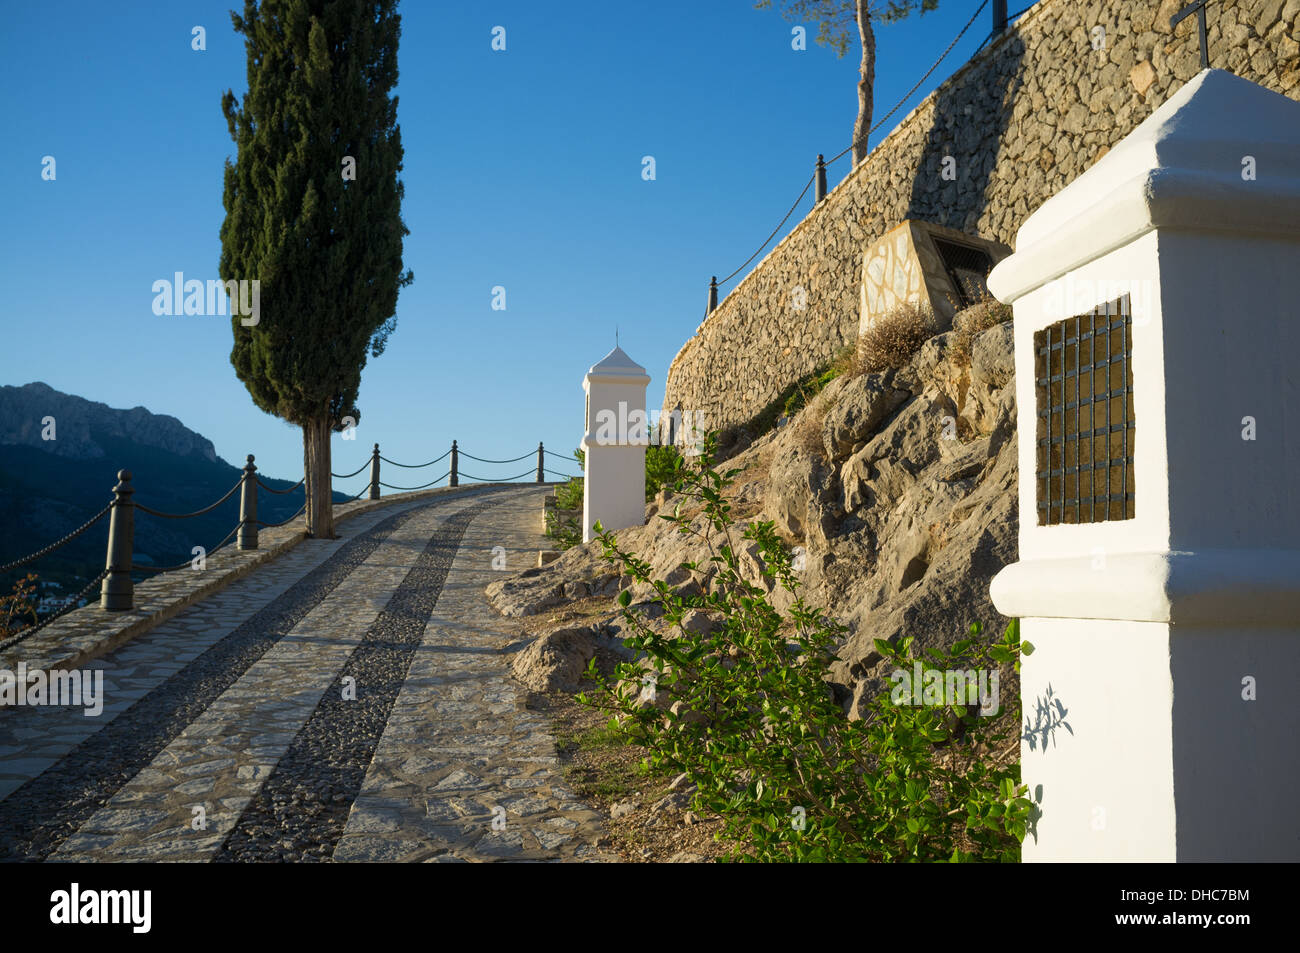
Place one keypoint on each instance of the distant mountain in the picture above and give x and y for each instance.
(79, 423)
(50, 487)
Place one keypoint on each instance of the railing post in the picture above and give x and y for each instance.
(455, 463)
(118, 592)
(821, 179)
(374, 473)
(999, 15)
(713, 295)
(540, 465)
(248, 506)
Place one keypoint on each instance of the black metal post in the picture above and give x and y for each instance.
(117, 593)
(713, 295)
(374, 473)
(455, 465)
(999, 15)
(821, 178)
(248, 506)
(540, 464)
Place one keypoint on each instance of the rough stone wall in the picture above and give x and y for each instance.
(1022, 120)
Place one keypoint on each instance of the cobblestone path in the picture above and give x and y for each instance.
(348, 701)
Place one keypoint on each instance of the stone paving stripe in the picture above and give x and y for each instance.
(37, 817)
(301, 810)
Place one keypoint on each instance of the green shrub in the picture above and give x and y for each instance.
(754, 724)
(565, 530)
(660, 468)
(568, 496)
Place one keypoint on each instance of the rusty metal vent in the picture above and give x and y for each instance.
(968, 268)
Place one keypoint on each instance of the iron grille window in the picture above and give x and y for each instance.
(968, 268)
(1083, 376)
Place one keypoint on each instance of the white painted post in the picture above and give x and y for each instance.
(1159, 722)
(617, 431)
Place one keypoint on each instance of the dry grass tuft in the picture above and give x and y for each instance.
(986, 313)
(894, 338)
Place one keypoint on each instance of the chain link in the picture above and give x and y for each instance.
(302, 509)
(345, 476)
(185, 516)
(415, 466)
(511, 460)
(466, 476)
(281, 492)
(62, 542)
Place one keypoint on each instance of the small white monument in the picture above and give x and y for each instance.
(1156, 333)
(617, 431)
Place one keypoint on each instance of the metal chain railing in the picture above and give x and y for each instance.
(61, 542)
(136, 567)
(118, 586)
(563, 456)
(420, 487)
(417, 466)
(345, 476)
(302, 509)
(290, 489)
(186, 516)
(529, 472)
(511, 460)
(785, 219)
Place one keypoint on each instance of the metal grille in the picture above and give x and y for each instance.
(1083, 376)
(968, 268)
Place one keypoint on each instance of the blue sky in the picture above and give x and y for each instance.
(523, 170)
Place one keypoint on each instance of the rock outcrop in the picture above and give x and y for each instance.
(900, 488)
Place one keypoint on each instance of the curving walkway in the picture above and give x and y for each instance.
(349, 701)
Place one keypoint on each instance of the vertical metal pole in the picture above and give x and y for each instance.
(374, 473)
(248, 507)
(821, 178)
(713, 295)
(999, 15)
(455, 465)
(540, 466)
(117, 593)
(1205, 50)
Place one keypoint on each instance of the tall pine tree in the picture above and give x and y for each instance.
(313, 212)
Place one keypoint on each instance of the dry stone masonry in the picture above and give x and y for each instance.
(1021, 121)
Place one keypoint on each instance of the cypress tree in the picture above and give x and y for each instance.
(326, 246)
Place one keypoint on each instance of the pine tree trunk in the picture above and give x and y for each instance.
(865, 83)
(316, 467)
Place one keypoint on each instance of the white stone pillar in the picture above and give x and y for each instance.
(1159, 722)
(617, 431)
